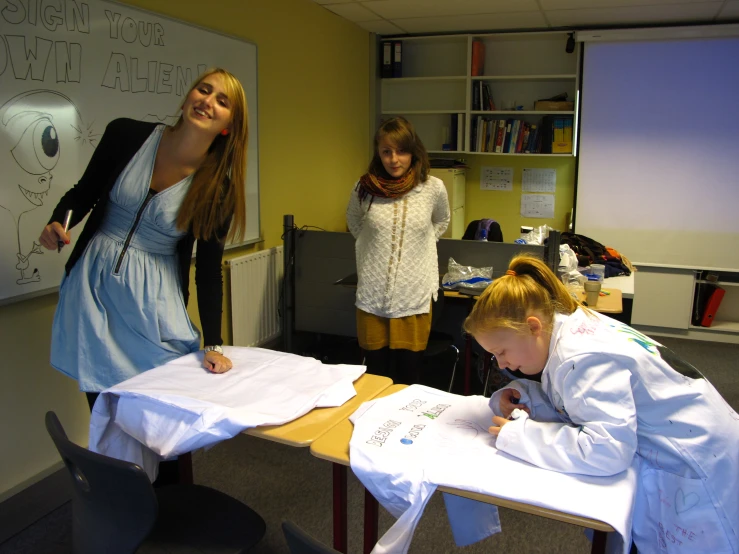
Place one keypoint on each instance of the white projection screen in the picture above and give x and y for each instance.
(658, 168)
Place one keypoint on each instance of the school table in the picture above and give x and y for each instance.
(334, 447)
(610, 302)
(305, 430)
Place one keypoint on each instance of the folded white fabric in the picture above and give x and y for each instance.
(405, 445)
(180, 407)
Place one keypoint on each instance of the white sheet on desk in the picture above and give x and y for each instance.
(454, 449)
(179, 407)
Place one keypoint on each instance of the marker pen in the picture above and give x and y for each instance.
(67, 220)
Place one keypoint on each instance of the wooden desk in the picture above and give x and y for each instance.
(306, 429)
(609, 304)
(334, 447)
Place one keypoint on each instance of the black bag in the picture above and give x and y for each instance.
(587, 250)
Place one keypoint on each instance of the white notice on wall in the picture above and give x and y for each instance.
(496, 178)
(537, 205)
(539, 180)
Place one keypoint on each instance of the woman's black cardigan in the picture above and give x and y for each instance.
(120, 142)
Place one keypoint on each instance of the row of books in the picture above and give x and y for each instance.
(392, 59)
(515, 136)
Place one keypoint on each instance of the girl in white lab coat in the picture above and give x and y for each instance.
(607, 394)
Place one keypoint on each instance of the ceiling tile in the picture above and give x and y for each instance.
(352, 11)
(382, 27)
(394, 9)
(462, 23)
(729, 11)
(588, 4)
(702, 11)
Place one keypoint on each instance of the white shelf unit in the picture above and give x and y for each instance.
(520, 68)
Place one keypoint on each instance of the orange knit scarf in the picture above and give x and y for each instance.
(374, 186)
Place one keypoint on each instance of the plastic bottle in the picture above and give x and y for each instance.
(483, 235)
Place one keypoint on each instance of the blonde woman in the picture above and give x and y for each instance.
(151, 191)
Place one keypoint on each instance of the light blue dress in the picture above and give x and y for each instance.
(121, 310)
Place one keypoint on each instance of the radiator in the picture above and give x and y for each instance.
(255, 292)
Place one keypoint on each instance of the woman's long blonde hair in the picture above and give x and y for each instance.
(217, 189)
(528, 286)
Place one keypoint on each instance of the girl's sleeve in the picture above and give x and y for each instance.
(209, 284)
(83, 196)
(532, 396)
(602, 438)
(354, 213)
(440, 215)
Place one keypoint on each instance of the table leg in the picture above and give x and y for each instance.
(371, 520)
(599, 542)
(184, 467)
(340, 510)
(467, 363)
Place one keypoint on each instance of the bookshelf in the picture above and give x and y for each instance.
(519, 69)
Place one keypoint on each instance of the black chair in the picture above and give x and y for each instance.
(494, 233)
(440, 342)
(300, 542)
(115, 510)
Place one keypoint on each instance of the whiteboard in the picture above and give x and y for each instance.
(67, 68)
(658, 163)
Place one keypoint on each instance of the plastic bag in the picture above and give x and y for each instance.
(535, 236)
(571, 278)
(465, 277)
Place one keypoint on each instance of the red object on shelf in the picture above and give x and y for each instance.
(478, 59)
(714, 301)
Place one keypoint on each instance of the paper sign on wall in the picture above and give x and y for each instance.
(537, 205)
(539, 180)
(496, 178)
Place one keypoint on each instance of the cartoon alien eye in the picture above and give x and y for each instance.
(37, 151)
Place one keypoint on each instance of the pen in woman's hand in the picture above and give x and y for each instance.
(65, 224)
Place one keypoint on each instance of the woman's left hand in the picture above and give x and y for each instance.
(498, 423)
(216, 363)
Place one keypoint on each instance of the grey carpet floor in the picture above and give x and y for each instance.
(281, 482)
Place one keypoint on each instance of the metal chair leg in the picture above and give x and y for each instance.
(454, 369)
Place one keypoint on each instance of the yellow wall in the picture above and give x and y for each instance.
(313, 141)
(505, 206)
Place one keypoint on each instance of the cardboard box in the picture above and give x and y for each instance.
(546, 106)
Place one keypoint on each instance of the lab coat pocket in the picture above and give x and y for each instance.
(683, 514)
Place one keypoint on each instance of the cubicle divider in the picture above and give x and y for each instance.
(321, 258)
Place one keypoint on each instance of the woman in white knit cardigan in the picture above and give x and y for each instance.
(396, 213)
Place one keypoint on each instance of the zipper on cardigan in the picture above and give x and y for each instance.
(135, 225)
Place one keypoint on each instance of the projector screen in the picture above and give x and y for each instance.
(658, 167)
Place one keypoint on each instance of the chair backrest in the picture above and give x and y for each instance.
(495, 234)
(113, 503)
(300, 542)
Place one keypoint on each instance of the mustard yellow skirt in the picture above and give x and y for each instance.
(407, 333)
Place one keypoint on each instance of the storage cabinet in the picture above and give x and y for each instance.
(664, 303)
(454, 181)
(437, 83)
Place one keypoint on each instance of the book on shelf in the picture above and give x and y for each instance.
(500, 136)
(387, 60)
(397, 58)
(450, 138)
(478, 58)
(712, 305)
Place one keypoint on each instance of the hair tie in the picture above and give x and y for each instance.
(511, 272)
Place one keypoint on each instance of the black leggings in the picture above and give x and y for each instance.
(169, 471)
(402, 366)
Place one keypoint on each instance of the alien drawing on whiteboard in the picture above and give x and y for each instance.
(30, 148)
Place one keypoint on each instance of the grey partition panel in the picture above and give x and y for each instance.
(321, 259)
(483, 254)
